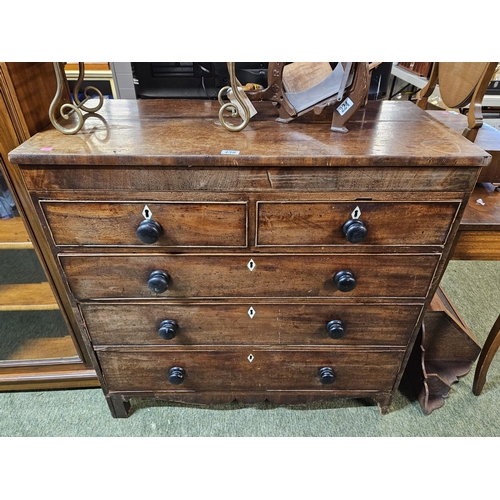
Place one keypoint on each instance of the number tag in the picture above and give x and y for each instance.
(345, 106)
(245, 98)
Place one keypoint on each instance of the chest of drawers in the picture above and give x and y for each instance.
(285, 262)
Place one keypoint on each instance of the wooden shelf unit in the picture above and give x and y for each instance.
(27, 297)
(57, 362)
(94, 72)
(13, 235)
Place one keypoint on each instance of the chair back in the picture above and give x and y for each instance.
(461, 84)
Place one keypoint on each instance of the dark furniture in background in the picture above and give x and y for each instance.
(191, 80)
(203, 80)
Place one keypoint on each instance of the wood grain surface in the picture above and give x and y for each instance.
(270, 369)
(126, 276)
(212, 323)
(147, 132)
(129, 180)
(387, 223)
(183, 224)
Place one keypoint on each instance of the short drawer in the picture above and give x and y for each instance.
(223, 276)
(250, 368)
(383, 223)
(182, 224)
(257, 324)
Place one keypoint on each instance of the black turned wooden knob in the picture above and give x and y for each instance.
(345, 281)
(176, 375)
(168, 329)
(326, 375)
(355, 230)
(149, 231)
(158, 281)
(335, 329)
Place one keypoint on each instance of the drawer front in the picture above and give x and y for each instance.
(386, 223)
(250, 369)
(203, 224)
(107, 277)
(257, 324)
(148, 178)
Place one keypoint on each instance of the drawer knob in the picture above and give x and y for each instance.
(326, 375)
(345, 281)
(168, 329)
(335, 329)
(176, 375)
(158, 281)
(149, 231)
(355, 230)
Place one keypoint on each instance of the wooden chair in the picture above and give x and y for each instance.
(462, 84)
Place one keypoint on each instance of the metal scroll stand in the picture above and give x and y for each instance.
(239, 107)
(68, 109)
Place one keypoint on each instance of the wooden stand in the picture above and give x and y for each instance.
(445, 350)
(478, 238)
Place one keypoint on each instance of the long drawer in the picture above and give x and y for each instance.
(257, 324)
(250, 368)
(183, 224)
(205, 276)
(386, 223)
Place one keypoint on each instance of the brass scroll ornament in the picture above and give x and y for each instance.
(241, 108)
(67, 109)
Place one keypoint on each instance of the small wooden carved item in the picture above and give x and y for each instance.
(149, 231)
(168, 329)
(176, 375)
(445, 351)
(335, 329)
(299, 88)
(158, 281)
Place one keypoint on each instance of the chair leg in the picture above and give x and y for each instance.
(485, 358)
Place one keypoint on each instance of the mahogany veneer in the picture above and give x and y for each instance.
(285, 262)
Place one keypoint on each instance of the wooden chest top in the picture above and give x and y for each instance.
(188, 133)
